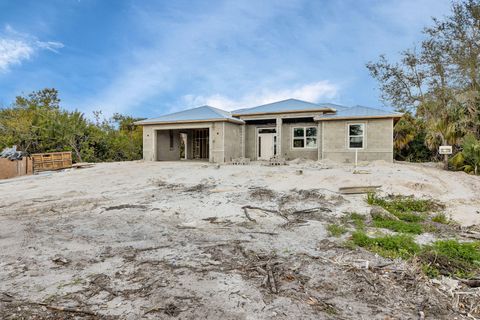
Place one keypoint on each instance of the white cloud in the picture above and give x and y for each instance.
(312, 92)
(17, 47)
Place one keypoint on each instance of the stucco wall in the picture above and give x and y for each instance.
(378, 143)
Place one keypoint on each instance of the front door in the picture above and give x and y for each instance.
(265, 146)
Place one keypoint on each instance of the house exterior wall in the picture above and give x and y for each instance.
(378, 142)
(164, 152)
(232, 141)
(224, 141)
(217, 142)
(251, 138)
(288, 152)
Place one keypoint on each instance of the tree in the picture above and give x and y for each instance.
(438, 81)
(38, 123)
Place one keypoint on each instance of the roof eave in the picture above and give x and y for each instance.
(387, 116)
(147, 123)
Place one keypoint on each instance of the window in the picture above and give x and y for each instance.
(356, 133)
(304, 137)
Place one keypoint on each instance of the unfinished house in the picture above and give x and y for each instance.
(286, 129)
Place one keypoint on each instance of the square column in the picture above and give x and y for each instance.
(279, 137)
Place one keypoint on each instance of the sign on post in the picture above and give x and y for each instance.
(445, 150)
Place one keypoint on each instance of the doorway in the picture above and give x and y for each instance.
(266, 143)
(183, 146)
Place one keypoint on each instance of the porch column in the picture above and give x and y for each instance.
(279, 137)
(319, 140)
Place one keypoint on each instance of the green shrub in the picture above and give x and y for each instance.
(336, 230)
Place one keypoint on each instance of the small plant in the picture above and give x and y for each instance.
(440, 218)
(399, 226)
(336, 230)
(390, 246)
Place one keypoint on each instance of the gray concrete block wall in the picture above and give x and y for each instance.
(378, 143)
(148, 141)
(232, 141)
(164, 152)
(288, 152)
(217, 142)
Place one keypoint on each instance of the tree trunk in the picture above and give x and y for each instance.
(77, 152)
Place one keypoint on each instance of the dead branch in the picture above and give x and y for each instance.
(65, 309)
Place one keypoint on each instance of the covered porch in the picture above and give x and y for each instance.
(183, 144)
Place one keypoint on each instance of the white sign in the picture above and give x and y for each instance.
(445, 149)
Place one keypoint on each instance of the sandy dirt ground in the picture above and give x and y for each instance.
(161, 240)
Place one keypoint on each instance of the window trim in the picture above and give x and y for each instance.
(364, 136)
(304, 137)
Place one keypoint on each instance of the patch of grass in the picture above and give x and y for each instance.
(451, 257)
(390, 246)
(440, 218)
(405, 208)
(357, 219)
(399, 226)
(336, 230)
(442, 257)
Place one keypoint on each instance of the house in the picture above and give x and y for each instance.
(288, 129)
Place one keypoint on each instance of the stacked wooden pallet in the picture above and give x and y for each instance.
(51, 161)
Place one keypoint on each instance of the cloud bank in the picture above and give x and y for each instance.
(17, 47)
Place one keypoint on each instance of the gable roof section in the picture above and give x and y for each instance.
(358, 112)
(200, 114)
(289, 105)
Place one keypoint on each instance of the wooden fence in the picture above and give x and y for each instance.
(15, 168)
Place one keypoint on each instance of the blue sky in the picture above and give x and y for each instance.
(146, 58)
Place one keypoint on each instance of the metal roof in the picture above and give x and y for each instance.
(333, 111)
(203, 113)
(289, 105)
(358, 112)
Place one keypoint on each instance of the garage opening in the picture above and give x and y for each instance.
(183, 144)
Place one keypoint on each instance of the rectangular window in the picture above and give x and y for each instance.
(304, 137)
(356, 135)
